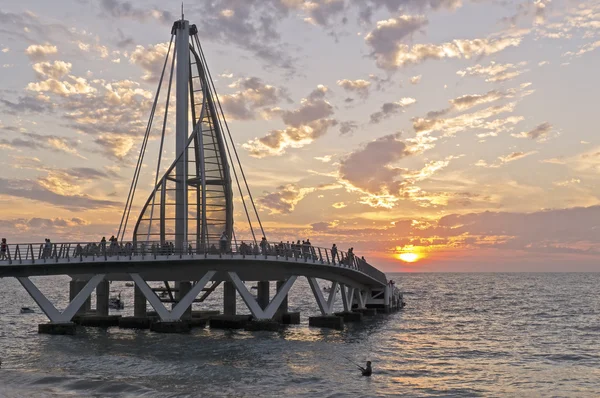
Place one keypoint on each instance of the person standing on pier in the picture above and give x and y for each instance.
(223, 242)
(333, 253)
(263, 246)
(3, 249)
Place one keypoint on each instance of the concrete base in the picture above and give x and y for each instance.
(57, 328)
(366, 311)
(198, 322)
(229, 321)
(290, 318)
(268, 325)
(134, 322)
(204, 314)
(171, 327)
(327, 321)
(350, 316)
(100, 321)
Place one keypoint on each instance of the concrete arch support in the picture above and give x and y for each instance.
(251, 302)
(50, 310)
(347, 296)
(326, 306)
(181, 307)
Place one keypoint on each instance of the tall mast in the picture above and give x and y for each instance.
(181, 131)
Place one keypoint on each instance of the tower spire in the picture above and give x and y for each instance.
(182, 11)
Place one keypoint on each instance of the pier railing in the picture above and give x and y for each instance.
(94, 251)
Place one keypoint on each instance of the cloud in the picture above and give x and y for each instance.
(303, 125)
(415, 79)
(253, 95)
(125, 9)
(53, 190)
(368, 7)
(324, 159)
(27, 104)
(321, 13)
(359, 86)
(285, 199)
(391, 108)
(466, 102)
(347, 127)
(385, 40)
(494, 72)
(371, 171)
(450, 126)
(38, 52)
(55, 70)
(511, 157)
(111, 112)
(75, 85)
(540, 131)
(151, 59)
(38, 141)
(548, 230)
(586, 48)
(391, 57)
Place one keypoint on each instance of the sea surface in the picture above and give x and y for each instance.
(460, 335)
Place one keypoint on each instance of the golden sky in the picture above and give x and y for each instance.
(430, 135)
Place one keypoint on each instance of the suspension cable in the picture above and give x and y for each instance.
(208, 79)
(231, 139)
(162, 140)
(136, 175)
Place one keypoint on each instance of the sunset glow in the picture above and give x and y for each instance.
(408, 257)
(452, 135)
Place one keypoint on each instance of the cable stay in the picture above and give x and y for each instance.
(191, 203)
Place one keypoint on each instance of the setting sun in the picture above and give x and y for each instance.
(408, 257)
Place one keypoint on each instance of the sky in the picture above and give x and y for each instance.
(430, 135)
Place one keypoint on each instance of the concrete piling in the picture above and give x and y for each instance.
(139, 303)
(134, 322)
(184, 288)
(262, 294)
(67, 328)
(102, 293)
(229, 321)
(366, 311)
(348, 316)
(283, 307)
(75, 286)
(171, 327)
(229, 298)
(326, 321)
(99, 321)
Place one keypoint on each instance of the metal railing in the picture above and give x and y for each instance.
(92, 251)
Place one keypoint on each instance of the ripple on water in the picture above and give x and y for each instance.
(461, 335)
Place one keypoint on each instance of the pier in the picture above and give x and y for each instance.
(184, 236)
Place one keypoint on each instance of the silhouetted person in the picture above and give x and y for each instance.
(3, 249)
(223, 242)
(368, 370)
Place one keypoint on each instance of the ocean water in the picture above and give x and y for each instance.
(469, 335)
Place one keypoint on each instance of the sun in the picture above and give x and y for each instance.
(408, 257)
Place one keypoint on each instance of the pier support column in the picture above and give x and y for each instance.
(184, 288)
(262, 295)
(283, 307)
(139, 303)
(229, 298)
(102, 292)
(75, 286)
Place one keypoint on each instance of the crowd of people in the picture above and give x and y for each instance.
(299, 249)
